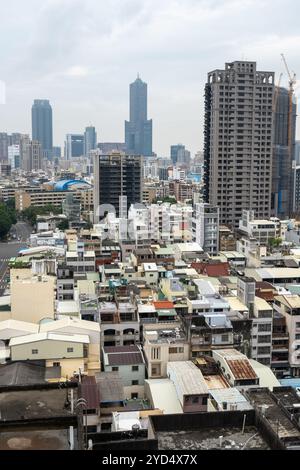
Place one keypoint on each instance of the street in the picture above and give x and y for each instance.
(11, 249)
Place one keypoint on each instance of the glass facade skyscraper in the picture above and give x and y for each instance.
(90, 140)
(138, 131)
(41, 119)
(283, 155)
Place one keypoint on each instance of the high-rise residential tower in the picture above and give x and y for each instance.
(90, 140)
(283, 155)
(117, 182)
(41, 119)
(4, 143)
(238, 138)
(32, 159)
(138, 131)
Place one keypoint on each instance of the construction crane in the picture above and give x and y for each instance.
(292, 83)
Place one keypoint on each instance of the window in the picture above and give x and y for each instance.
(155, 370)
(69, 350)
(34, 351)
(265, 327)
(264, 339)
(134, 396)
(204, 401)
(56, 364)
(134, 382)
(264, 350)
(172, 350)
(155, 353)
(135, 368)
(115, 369)
(195, 399)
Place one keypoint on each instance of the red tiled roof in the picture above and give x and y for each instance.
(212, 269)
(266, 295)
(163, 304)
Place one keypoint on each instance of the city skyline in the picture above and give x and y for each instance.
(174, 66)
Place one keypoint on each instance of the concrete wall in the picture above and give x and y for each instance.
(68, 366)
(47, 349)
(32, 300)
(127, 374)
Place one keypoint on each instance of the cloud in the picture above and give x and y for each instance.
(77, 71)
(83, 55)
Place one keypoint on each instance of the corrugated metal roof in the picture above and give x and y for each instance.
(121, 349)
(19, 373)
(230, 395)
(241, 369)
(89, 391)
(188, 377)
(125, 359)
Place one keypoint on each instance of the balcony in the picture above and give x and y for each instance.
(198, 341)
(282, 336)
(280, 347)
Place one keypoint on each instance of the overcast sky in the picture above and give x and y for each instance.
(82, 55)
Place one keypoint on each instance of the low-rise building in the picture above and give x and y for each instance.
(164, 343)
(289, 307)
(129, 362)
(70, 352)
(190, 386)
(236, 367)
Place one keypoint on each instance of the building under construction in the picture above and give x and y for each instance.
(283, 154)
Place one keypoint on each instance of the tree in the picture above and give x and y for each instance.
(31, 213)
(7, 219)
(63, 225)
(275, 242)
(169, 199)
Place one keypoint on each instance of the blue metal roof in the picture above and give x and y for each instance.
(65, 185)
(290, 382)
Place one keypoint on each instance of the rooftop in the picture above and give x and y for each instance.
(50, 337)
(123, 355)
(21, 373)
(30, 404)
(188, 377)
(230, 396)
(238, 363)
(163, 395)
(189, 247)
(41, 439)
(163, 304)
(209, 439)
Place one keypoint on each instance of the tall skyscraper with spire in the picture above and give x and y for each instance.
(138, 131)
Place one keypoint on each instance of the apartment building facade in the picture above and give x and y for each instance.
(239, 141)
